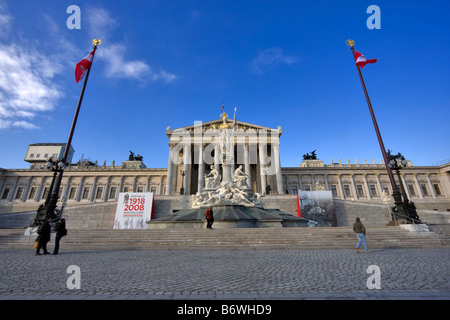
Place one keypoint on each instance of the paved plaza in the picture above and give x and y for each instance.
(226, 274)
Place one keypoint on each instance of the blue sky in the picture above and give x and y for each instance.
(281, 63)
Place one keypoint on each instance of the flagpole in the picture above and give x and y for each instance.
(55, 193)
(351, 44)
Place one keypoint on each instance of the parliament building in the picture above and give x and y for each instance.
(193, 151)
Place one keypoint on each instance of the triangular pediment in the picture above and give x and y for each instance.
(216, 124)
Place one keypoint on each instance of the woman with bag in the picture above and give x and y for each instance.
(44, 237)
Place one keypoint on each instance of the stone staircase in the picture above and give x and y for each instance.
(236, 239)
(443, 232)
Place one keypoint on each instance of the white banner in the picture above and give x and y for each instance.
(133, 210)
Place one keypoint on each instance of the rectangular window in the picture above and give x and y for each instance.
(424, 188)
(125, 189)
(373, 190)
(294, 189)
(99, 193)
(72, 192)
(153, 189)
(19, 193)
(5, 193)
(334, 190)
(140, 189)
(32, 193)
(45, 193)
(360, 190)
(347, 192)
(437, 189)
(307, 187)
(85, 193)
(112, 192)
(411, 190)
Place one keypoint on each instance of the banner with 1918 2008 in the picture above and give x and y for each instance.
(133, 210)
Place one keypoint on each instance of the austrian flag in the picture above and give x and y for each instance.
(361, 61)
(83, 65)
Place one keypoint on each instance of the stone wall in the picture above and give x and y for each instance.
(101, 215)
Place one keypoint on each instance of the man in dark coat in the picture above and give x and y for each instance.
(209, 217)
(61, 231)
(44, 237)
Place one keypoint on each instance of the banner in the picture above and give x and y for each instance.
(317, 206)
(133, 210)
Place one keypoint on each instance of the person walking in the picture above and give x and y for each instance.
(209, 214)
(360, 231)
(44, 237)
(61, 231)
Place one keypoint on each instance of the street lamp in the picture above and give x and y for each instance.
(406, 208)
(183, 173)
(47, 209)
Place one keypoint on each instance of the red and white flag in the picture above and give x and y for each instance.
(83, 66)
(361, 61)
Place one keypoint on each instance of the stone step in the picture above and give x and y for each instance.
(257, 238)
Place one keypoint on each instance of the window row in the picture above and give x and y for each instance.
(373, 190)
(72, 194)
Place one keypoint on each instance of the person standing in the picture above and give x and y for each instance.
(360, 231)
(44, 237)
(209, 214)
(61, 231)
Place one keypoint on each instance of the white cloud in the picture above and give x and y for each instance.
(269, 58)
(100, 23)
(5, 19)
(26, 78)
(119, 64)
(26, 85)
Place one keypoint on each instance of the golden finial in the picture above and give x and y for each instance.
(350, 43)
(96, 42)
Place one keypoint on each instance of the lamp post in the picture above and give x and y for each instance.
(47, 210)
(405, 208)
(183, 173)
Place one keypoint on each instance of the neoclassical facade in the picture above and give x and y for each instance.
(193, 150)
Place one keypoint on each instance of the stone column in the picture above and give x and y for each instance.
(262, 168)
(66, 189)
(405, 187)
(247, 164)
(26, 190)
(201, 169)
(430, 186)
(93, 191)
(276, 157)
(355, 192)
(186, 162)
(106, 194)
(169, 172)
(416, 182)
(161, 187)
(217, 154)
(341, 187)
(366, 186)
(80, 189)
(13, 190)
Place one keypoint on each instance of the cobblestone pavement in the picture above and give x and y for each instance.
(226, 274)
